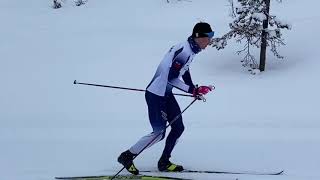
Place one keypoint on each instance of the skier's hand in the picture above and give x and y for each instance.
(199, 92)
(202, 90)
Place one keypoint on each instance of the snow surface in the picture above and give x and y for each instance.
(50, 127)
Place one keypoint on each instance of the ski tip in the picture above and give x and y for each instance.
(75, 82)
(281, 172)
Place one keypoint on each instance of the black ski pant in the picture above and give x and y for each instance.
(161, 110)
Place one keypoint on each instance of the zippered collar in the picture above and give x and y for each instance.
(194, 46)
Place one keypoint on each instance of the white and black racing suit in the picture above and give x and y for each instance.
(172, 72)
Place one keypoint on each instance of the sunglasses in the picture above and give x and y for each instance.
(210, 34)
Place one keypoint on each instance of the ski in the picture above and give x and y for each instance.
(152, 177)
(121, 177)
(222, 172)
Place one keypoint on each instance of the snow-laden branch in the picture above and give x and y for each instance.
(247, 25)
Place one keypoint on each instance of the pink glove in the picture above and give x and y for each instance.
(202, 90)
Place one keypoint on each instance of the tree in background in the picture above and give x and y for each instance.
(80, 2)
(257, 27)
(56, 4)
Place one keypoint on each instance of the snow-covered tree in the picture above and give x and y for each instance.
(254, 24)
(56, 4)
(80, 2)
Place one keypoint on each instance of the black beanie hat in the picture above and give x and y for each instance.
(200, 30)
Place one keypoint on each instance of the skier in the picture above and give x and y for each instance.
(162, 106)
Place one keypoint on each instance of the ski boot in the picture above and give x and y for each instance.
(166, 166)
(126, 159)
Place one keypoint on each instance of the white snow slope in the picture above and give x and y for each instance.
(50, 127)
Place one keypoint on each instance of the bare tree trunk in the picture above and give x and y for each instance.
(264, 38)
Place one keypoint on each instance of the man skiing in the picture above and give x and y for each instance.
(162, 105)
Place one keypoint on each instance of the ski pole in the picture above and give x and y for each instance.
(124, 88)
(162, 131)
